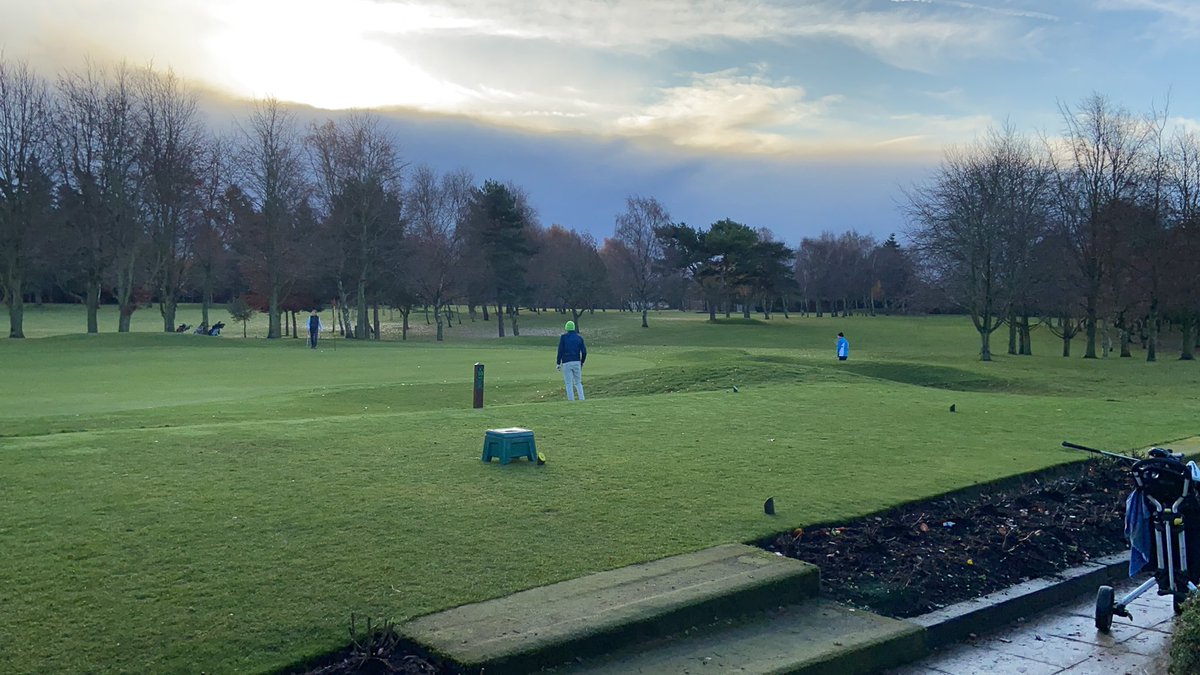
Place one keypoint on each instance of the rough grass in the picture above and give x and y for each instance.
(176, 503)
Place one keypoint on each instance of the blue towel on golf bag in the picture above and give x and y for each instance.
(1137, 531)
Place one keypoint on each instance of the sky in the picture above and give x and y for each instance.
(800, 117)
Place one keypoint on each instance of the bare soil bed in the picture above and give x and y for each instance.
(911, 559)
(919, 557)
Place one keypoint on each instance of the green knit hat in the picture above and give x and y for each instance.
(570, 325)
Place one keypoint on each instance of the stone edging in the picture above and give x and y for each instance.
(979, 615)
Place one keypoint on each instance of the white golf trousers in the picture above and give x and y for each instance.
(573, 377)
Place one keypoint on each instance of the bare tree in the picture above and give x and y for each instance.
(96, 145)
(973, 220)
(1183, 252)
(1096, 167)
(276, 194)
(641, 249)
(211, 258)
(171, 150)
(25, 132)
(433, 209)
(359, 171)
(574, 274)
(832, 269)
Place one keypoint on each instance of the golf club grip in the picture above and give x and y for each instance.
(1067, 444)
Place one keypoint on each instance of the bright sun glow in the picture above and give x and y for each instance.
(329, 55)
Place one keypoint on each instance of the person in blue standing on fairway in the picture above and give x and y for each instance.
(314, 328)
(843, 347)
(571, 355)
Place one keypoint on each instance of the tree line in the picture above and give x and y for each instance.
(1094, 229)
(115, 191)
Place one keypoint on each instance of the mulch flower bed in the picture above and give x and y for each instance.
(920, 557)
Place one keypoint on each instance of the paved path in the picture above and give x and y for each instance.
(1064, 641)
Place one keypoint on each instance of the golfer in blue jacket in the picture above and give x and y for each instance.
(571, 355)
(843, 347)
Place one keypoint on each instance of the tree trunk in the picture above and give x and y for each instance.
(499, 318)
(437, 317)
(404, 323)
(93, 305)
(512, 313)
(273, 319)
(1187, 340)
(485, 312)
(16, 308)
(362, 330)
(125, 318)
(205, 304)
(1090, 322)
(1026, 338)
(167, 307)
(645, 314)
(1152, 331)
(983, 324)
(1013, 330)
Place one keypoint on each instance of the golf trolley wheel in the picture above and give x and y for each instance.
(1105, 601)
(1177, 603)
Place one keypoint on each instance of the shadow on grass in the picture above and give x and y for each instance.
(938, 377)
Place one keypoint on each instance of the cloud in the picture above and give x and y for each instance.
(603, 67)
(1185, 125)
(1006, 10)
(1175, 17)
(907, 37)
(728, 110)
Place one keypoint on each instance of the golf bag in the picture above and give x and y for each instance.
(1162, 523)
(1166, 485)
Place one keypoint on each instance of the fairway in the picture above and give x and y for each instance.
(180, 503)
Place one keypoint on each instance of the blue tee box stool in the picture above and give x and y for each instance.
(509, 443)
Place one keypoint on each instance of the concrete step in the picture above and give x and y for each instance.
(818, 637)
(603, 612)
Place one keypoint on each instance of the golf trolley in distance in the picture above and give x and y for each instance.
(1165, 483)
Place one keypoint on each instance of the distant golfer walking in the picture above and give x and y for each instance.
(843, 347)
(314, 328)
(571, 355)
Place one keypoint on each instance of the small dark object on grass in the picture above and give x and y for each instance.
(541, 460)
(735, 389)
(952, 409)
(769, 506)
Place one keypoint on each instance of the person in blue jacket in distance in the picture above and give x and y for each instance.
(572, 352)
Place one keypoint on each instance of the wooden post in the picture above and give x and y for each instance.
(478, 385)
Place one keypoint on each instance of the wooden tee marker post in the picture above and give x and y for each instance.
(478, 385)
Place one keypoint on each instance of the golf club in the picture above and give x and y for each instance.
(1114, 455)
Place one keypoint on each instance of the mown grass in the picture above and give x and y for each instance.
(177, 503)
